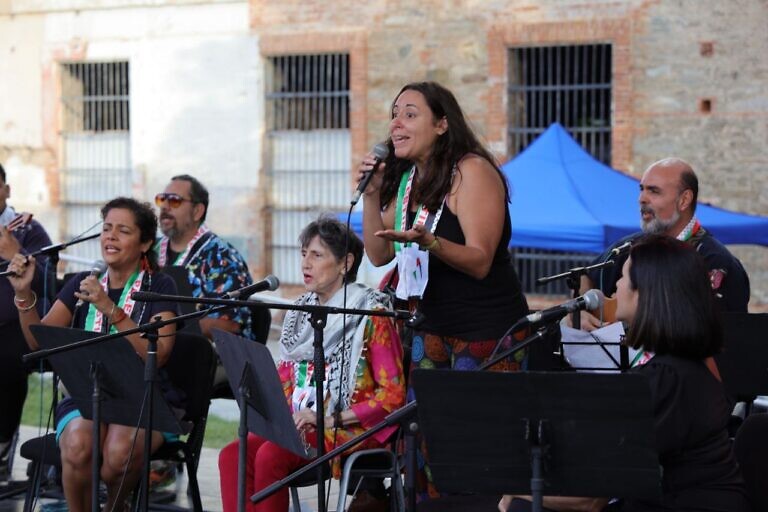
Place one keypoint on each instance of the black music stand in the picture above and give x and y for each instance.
(263, 410)
(107, 383)
(121, 378)
(539, 433)
(743, 363)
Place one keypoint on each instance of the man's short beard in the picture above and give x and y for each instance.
(657, 226)
(170, 232)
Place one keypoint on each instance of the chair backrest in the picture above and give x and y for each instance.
(751, 449)
(190, 368)
(743, 363)
(180, 276)
(261, 320)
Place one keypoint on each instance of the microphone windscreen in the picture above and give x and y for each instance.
(273, 282)
(380, 151)
(99, 267)
(594, 299)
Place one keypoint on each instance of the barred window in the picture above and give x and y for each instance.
(308, 92)
(308, 149)
(95, 96)
(566, 84)
(95, 157)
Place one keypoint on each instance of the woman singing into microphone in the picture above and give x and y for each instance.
(439, 205)
(126, 237)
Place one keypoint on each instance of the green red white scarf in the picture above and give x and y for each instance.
(94, 321)
(162, 253)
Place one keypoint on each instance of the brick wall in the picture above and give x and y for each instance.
(688, 81)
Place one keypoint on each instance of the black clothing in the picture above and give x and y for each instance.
(456, 304)
(729, 279)
(13, 371)
(691, 415)
(142, 313)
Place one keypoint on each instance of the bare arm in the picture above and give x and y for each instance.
(589, 322)
(478, 200)
(560, 503)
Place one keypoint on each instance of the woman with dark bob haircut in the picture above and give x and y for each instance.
(665, 299)
(127, 235)
(363, 360)
(675, 311)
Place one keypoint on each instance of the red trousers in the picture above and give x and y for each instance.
(266, 463)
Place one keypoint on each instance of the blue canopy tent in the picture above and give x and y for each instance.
(563, 199)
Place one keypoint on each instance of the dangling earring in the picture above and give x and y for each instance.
(145, 263)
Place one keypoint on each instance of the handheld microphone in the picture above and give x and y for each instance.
(98, 268)
(270, 283)
(592, 299)
(380, 151)
(622, 248)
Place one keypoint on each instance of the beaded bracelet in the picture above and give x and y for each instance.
(21, 303)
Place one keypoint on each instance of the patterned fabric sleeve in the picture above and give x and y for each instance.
(379, 388)
(382, 389)
(224, 270)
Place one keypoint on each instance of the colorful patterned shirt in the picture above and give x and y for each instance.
(379, 387)
(216, 268)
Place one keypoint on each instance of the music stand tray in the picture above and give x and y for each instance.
(596, 432)
(121, 378)
(268, 414)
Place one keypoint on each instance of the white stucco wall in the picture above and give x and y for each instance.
(196, 97)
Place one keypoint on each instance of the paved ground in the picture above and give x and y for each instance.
(208, 476)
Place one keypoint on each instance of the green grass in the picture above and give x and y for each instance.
(218, 432)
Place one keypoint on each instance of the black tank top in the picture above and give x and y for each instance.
(456, 304)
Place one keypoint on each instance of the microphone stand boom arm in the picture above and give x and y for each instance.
(573, 280)
(318, 319)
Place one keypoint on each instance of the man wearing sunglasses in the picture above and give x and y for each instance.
(214, 266)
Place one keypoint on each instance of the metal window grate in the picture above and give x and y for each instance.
(532, 264)
(308, 92)
(95, 96)
(308, 148)
(95, 156)
(566, 84)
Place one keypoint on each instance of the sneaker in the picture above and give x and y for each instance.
(162, 474)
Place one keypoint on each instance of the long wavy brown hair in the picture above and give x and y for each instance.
(450, 147)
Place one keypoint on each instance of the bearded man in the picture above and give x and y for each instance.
(669, 190)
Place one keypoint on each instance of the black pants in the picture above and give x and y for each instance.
(13, 378)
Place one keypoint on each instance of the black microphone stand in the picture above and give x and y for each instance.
(52, 251)
(150, 331)
(318, 318)
(573, 280)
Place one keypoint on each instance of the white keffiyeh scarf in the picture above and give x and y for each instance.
(297, 338)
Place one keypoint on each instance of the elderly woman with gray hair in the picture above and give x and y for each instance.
(363, 359)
